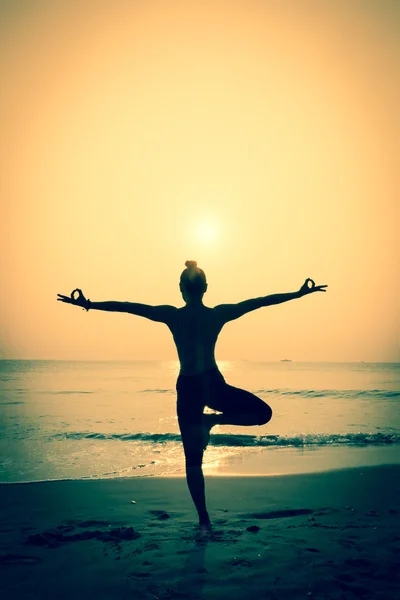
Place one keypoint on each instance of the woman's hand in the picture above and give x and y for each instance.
(79, 301)
(306, 289)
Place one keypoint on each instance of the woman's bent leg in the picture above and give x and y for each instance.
(238, 407)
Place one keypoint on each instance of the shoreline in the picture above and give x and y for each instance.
(268, 462)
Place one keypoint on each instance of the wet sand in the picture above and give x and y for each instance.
(333, 534)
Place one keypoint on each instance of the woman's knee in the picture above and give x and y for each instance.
(265, 414)
(192, 446)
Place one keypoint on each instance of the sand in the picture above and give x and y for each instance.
(326, 535)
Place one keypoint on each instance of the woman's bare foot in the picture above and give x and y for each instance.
(205, 529)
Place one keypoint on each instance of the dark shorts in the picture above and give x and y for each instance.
(195, 392)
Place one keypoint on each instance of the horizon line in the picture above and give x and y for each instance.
(217, 360)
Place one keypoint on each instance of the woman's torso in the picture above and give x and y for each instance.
(195, 331)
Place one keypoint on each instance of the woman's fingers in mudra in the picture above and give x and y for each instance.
(313, 288)
(306, 288)
(63, 298)
(80, 294)
(79, 300)
(312, 283)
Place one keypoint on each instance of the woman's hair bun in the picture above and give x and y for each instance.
(191, 264)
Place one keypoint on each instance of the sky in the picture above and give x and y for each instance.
(259, 138)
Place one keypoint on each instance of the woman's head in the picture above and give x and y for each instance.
(193, 280)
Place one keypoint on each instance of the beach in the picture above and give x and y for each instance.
(333, 534)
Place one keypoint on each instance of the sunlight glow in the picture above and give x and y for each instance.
(206, 231)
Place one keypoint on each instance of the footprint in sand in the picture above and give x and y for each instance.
(280, 514)
(160, 514)
(360, 562)
(55, 538)
(345, 577)
(139, 575)
(253, 528)
(348, 544)
(357, 591)
(220, 521)
(94, 523)
(16, 559)
(151, 546)
(240, 562)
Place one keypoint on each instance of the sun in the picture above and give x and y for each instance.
(206, 231)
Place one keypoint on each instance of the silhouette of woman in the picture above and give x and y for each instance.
(195, 328)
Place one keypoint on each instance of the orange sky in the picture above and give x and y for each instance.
(258, 138)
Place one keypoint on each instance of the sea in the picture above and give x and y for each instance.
(107, 419)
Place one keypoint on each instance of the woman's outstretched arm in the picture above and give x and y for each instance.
(229, 312)
(161, 313)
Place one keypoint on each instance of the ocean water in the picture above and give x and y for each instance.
(73, 420)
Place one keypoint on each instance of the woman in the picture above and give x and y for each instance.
(195, 328)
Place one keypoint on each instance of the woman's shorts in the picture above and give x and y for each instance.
(194, 392)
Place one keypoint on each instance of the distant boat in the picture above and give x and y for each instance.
(286, 360)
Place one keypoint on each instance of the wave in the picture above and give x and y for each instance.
(158, 391)
(333, 393)
(384, 394)
(96, 476)
(66, 392)
(227, 439)
(4, 403)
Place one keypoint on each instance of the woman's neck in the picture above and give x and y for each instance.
(194, 302)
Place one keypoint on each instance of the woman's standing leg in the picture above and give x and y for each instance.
(190, 418)
(192, 437)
